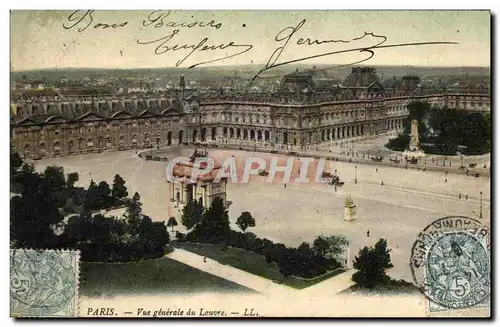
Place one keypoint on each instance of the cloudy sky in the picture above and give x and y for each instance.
(142, 39)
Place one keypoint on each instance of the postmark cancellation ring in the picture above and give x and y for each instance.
(450, 262)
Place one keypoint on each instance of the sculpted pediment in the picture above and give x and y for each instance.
(89, 116)
(56, 119)
(169, 112)
(146, 114)
(24, 121)
(121, 114)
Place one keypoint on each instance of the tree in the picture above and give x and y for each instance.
(15, 162)
(172, 223)
(119, 190)
(371, 264)
(330, 246)
(71, 179)
(192, 213)
(214, 226)
(245, 220)
(133, 213)
(54, 175)
(35, 214)
(103, 195)
(27, 168)
(91, 197)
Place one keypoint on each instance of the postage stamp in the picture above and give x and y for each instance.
(44, 283)
(450, 263)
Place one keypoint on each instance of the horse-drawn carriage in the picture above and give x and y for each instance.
(263, 173)
(395, 160)
(326, 175)
(377, 158)
(472, 165)
(336, 181)
(412, 160)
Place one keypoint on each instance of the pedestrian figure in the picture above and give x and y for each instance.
(460, 195)
(466, 196)
(285, 185)
(317, 211)
(382, 183)
(368, 233)
(204, 259)
(376, 170)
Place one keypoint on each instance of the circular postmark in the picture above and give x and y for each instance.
(450, 262)
(42, 282)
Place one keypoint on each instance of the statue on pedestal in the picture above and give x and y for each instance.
(413, 152)
(350, 209)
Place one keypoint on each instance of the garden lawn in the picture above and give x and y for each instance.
(253, 263)
(155, 276)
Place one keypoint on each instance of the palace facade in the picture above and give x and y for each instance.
(293, 117)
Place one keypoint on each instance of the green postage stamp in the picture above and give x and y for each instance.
(44, 283)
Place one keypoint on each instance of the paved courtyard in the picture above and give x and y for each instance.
(398, 210)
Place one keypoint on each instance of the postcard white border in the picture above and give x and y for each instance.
(198, 4)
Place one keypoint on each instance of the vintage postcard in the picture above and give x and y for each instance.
(250, 164)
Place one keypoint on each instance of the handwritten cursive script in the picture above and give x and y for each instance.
(157, 19)
(84, 20)
(284, 37)
(163, 47)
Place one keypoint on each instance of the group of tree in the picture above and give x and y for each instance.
(371, 264)
(446, 131)
(211, 226)
(49, 211)
(132, 237)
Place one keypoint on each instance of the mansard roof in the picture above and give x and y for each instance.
(104, 109)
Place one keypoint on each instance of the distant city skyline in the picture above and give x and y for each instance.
(39, 40)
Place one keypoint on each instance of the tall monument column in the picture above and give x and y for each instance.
(414, 140)
(414, 151)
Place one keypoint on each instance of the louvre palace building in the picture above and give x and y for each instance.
(302, 113)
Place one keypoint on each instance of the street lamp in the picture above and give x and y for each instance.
(481, 204)
(355, 174)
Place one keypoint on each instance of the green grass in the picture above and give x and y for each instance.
(253, 263)
(156, 276)
(300, 283)
(391, 287)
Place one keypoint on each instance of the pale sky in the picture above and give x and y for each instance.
(39, 40)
